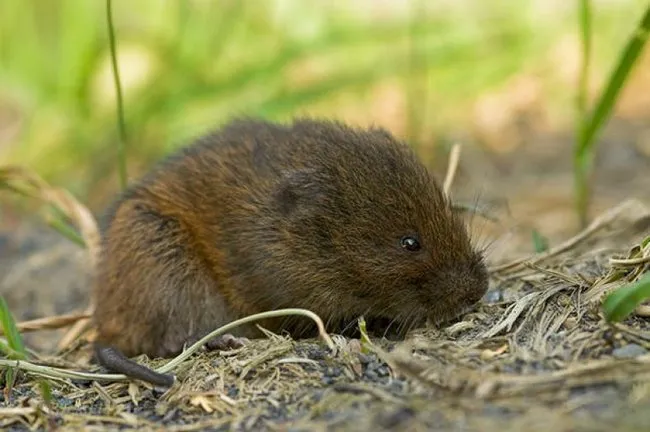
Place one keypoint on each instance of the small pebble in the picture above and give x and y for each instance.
(382, 371)
(493, 296)
(316, 354)
(371, 375)
(354, 346)
(233, 392)
(364, 359)
(83, 383)
(496, 410)
(332, 372)
(397, 386)
(570, 323)
(393, 419)
(629, 351)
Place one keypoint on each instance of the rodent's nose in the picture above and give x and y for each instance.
(472, 283)
(479, 285)
(480, 290)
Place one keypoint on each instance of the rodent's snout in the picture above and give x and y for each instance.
(476, 292)
(468, 284)
(477, 282)
(453, 291)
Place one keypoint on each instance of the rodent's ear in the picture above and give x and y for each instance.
(299, 190)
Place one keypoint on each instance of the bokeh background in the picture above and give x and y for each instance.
(499, 77)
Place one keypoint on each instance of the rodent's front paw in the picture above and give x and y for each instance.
(226, 341)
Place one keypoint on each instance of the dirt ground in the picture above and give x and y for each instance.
(535, 354)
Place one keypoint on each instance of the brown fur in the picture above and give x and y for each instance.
(261, 216)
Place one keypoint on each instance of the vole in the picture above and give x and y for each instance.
(256, 216)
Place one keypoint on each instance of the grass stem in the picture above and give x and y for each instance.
(591, 125)
(121, 145)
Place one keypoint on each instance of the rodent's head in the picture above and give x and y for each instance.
(366, 215)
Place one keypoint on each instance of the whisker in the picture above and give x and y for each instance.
(476, 235)
(477, 196)
(387, 329)
(349, 324)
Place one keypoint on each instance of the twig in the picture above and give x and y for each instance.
(49, 323)
(256, 317)
(600, 222)
(474, 209)
(643, 311)
(452, 167)
(376, 392)
(53, 372)
(76, 330)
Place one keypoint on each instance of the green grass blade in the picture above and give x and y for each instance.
(540, 243)
(615, 83)
(121, 152)
(10, 378)
(622, 302)
(66, 230)
(46, 391)
(14, 339)
(364, 339)
(16, 348)
(581, 183)
(584, 152)
(585, 34)
(645, 242)
(7, 351)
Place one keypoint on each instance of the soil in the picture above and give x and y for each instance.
(536, 354)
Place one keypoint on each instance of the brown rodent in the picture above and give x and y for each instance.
(260, 216)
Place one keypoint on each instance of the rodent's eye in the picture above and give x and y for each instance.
(410, 243)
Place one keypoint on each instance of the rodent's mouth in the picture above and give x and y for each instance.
(390, 327)
(443, 318)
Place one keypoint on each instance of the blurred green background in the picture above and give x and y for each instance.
(429, 70)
